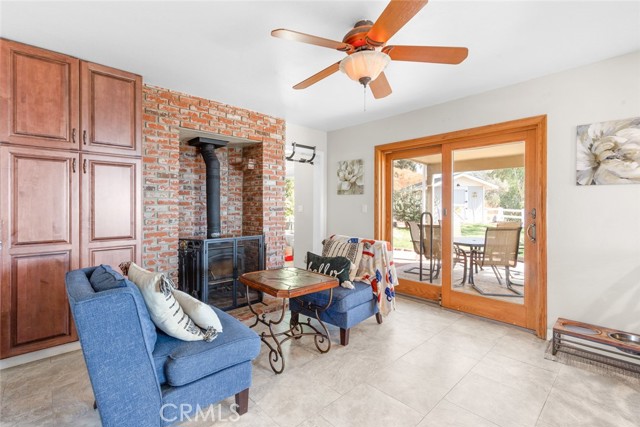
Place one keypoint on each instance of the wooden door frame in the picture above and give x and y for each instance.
(536, 318)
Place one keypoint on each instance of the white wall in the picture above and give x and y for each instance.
(310, 193)
(593, 232)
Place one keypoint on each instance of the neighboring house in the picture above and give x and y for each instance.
(468, 196)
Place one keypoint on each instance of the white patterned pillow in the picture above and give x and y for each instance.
(350, 250)
(201, 313)
(164, 309)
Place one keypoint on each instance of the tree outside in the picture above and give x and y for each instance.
(407, 206)
(511, 182)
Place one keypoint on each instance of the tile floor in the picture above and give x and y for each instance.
(424, 366)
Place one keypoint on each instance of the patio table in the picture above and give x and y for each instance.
(475, 246)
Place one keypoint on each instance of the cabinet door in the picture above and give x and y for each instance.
(39, 208)
(111, 110)
(39, 97)
(111, 210)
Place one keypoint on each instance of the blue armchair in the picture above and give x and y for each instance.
(348, 307)
(142, 377)
(351, 306)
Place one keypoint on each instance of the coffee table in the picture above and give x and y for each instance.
(286, 283)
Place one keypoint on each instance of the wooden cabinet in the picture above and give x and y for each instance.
(111, 200)
(59, 211)
(40, 215)
(70, 185)
(39, 94)
(57, 101)
(111, 109)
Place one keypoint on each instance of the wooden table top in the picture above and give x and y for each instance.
(289, 282)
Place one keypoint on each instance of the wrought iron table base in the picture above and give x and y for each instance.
(296, 331)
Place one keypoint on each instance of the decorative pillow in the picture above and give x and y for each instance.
(337, 267)
(366, 266)
(104, 278)
(164, 309)
(350, 250)
(202, 314)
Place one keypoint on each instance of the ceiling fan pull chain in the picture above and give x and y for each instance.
(364, 98)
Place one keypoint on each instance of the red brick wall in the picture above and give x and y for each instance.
(273, 173)
(192, 194)
(231, 194)
(252, 207)
(174, 198)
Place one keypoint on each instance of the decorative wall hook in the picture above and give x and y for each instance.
(300, 159)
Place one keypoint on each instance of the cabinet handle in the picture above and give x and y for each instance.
(84, 137)
(73, 165)
(84, 166)
(73, 135)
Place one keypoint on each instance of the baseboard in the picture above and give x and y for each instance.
(39, 355)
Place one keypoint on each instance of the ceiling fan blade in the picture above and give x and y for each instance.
(309, 39)
(393, 17)
(380, 87)
(437, 54)
(318, 76)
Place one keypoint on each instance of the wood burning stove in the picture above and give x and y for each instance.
(209, 269)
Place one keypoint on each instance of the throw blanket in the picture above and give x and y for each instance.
(377, 269)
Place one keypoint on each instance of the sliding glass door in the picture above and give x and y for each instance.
(490, 217)
(465, 214)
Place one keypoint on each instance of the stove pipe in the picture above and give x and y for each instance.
(207, 149)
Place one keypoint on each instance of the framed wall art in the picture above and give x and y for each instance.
(351, 177)
(608, 153)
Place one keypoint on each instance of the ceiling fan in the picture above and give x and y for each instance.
(368, 53)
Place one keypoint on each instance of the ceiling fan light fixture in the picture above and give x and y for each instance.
(364, 66)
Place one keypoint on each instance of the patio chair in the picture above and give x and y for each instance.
(437, 246)
(501, 250)
(431, 252)
(511, 224)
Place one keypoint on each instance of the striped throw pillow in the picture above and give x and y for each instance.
(350, 250)
(165, 310)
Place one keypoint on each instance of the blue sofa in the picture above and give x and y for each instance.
(348, 307)
(142, 377)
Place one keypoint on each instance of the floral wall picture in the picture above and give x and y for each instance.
(351, 177)
(609, 153)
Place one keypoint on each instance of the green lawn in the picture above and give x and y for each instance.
(402, 239)
(473, 230)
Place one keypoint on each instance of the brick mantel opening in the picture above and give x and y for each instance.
(174, 197)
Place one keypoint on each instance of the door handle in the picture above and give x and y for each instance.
(84, 137)
(531, 231)
(84, 166)
(73, 135)
(73, 165)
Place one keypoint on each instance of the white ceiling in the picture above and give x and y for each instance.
(222, 50)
